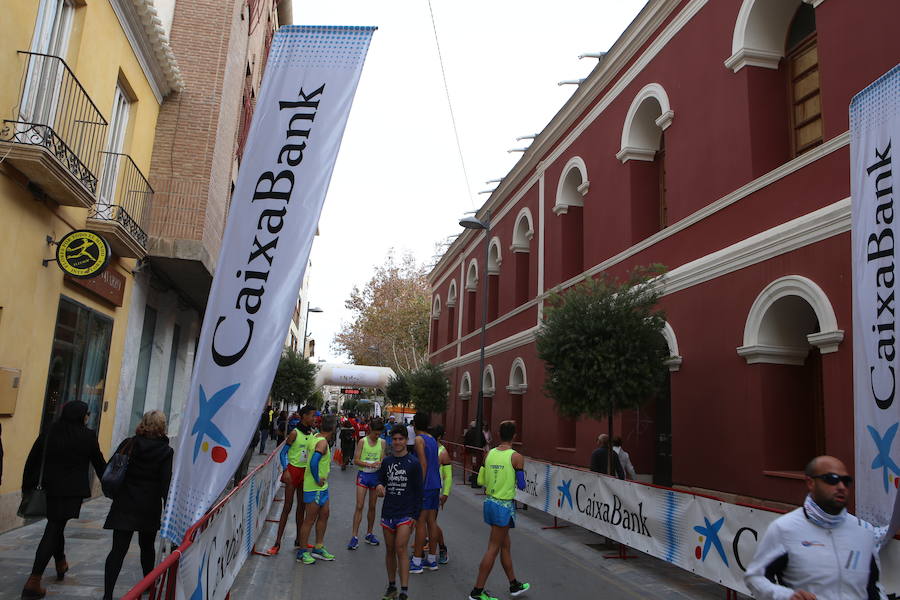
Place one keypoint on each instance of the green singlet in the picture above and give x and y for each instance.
(370, 454)
(500, 476)
(297, 453)
(309, 483)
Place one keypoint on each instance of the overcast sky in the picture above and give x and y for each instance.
(398, 182)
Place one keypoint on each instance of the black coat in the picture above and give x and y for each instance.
(599, 461)
(69, 457)
(138, 505)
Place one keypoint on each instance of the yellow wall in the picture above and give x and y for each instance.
(99, 54)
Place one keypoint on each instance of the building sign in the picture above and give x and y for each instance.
(109, 285)
(82, 254)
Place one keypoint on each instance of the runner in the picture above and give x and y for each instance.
(437, 432)
(369, 452)
(296, 442)
(501, 474)
(400, 482)
(427, 452)
(315, 494)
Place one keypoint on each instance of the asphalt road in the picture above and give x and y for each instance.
(559, 563)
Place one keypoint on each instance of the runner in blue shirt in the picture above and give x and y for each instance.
(400, 483)
(431, 460)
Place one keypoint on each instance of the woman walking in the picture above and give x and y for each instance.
(138, 504)
(68, 449)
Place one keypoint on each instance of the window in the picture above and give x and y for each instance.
(115, 143)
(78, 361)
(569, 207)
(802, 66)
(451, 312)
(493, 271)
(142, 375)
(51, 37)
(521, 248)
(518, 385)
(471, 296)
(173, 364)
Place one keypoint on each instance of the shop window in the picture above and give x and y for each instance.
(78, 361)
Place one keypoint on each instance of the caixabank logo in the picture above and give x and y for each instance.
(883, 445)
(743, 544)
(204, 427)
(591, 504)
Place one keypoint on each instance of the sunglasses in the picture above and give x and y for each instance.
(834, 479)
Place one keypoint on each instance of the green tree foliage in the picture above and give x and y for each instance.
(391, 316)
(397, 391)
(295, 379)
(602, 345)
(349, 405)
(429, 388)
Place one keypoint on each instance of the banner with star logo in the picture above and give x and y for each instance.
(310, 79)
(874, 129)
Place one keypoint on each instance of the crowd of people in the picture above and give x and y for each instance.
(407, 465)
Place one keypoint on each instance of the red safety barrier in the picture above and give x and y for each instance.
(160, 583)
(469, 458)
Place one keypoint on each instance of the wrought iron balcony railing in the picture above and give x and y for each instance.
(56, 113)
(124, 197)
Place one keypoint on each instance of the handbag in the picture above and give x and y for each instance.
(34, 502)
(114, 474)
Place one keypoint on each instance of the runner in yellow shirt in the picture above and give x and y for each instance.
(370, 450)
(315, 494)
(296, 441)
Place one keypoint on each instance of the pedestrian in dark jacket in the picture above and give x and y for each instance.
(138, 504)
(72, 449)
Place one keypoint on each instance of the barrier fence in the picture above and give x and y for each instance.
(215, 547)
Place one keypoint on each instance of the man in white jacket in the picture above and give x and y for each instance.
(819, 551)
(624, 458)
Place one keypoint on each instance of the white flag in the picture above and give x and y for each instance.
(310, 80)
(874, 135)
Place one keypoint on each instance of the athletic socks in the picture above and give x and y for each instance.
(404, 590)
(432, 558)
(514, 583)
(417, 561)
(476, 592)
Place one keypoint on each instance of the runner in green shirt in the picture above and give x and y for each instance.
(315, 493)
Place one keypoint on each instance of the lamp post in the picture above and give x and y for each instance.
(473, 222)
(309, 309)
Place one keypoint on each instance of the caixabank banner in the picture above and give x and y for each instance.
(714, 539)
(310, 79)
(209, 566)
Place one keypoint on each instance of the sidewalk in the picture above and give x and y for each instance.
(87, 545)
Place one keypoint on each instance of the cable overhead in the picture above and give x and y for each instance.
(462, 161)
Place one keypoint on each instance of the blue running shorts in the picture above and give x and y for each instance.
(431, 499)
(501, 513)
(395, 523)
(367, 480)
(319, 497)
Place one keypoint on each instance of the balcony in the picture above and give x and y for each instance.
(56, 136)
(124, 200)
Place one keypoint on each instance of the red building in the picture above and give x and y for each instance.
(712, 138)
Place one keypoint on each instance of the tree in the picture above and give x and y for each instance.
(429, 388)
(348, 405)
(397, 391)
(602, 345)
(391, 316)
(295, 379)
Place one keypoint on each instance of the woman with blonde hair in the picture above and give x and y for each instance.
(138, 503)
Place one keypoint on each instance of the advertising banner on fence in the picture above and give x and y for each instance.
(209, 566)
(714, 539)
(874, 126)
(310, 80)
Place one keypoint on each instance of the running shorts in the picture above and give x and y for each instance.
(319, 497)
(367, 480)
(395, 523)
(297, 474)
(501, 513)
(431, 499)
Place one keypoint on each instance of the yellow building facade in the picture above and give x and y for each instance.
(82, 85)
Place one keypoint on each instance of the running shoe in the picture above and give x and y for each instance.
(484, 595)
(305, 557)
(390, 593)
(273, 550)
(518, 588)
(443, 558)
(430, 565)
(372, 540)
(354, 543)
(321, 553)
(413, 568)
(403, 596)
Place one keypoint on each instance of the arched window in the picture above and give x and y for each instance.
(776, 39)
(521, 248)
(487, 387)
(465, 394)
(789, 326)
(435, 321)
(644, 149)
(451, 311)
(471, 295)
(493, 270)
(518, 385)
(569, 206)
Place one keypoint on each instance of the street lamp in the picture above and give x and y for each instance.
(309, 309)
(473, 222)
